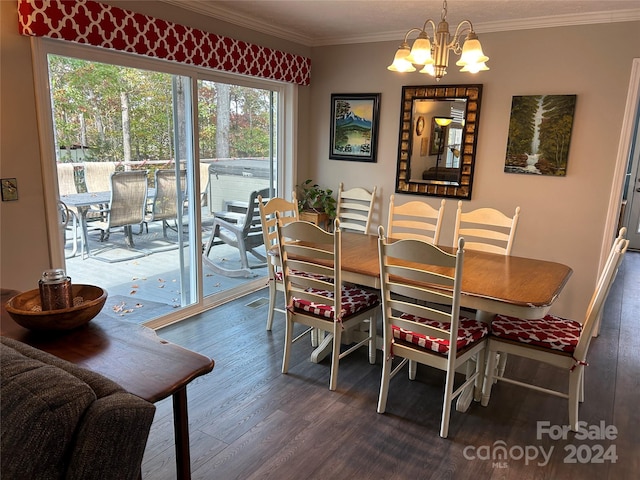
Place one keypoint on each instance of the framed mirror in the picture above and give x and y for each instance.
(437, 143)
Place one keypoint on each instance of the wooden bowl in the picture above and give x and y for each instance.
(25, 309)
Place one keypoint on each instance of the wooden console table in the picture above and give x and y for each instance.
(131, 355)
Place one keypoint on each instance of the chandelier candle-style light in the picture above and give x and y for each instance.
(432, 54)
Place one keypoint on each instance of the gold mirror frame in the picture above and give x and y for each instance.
(455, 189)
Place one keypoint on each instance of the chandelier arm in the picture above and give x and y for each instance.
(433, 27)
(415, 29)
(465, 26)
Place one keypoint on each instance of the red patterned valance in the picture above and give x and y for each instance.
(93, 23)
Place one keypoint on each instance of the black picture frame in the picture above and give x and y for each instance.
(354, 116)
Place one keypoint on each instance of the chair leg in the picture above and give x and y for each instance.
(480, 369)
(288, 340)
(502, 363)
(272, 303)
(446, 404)
(384, 382)
(574, 396)
(413, 366)
(335, 355)
(581, 397)
(372, 338)
(488, 378)
(209, 245)
(243, 254)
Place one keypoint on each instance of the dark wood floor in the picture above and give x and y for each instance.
(249, 421)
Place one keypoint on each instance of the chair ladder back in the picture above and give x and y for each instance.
(355, 208)
(415, 220)
(486, 229)
(268, 207)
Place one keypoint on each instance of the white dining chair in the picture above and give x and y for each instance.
(315, 295)
(486, 229)
(553, 340)
(287, 212)
(622, 234)
(420, 286)
(415, 219)
(355, 208)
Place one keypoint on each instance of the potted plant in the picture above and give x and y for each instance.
(312, 198)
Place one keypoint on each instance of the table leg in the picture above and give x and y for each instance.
(323, 349)
(181, 429)
(84, 245)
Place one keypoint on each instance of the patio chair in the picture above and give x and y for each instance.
(97, 175)
(355, 207)
(126, 208)
(164, 206)
(97, 178)
(417, 220)
(420, 287)
(242, 231)
(204, 184)
(67, 186)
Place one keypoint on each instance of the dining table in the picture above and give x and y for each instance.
(491, 283)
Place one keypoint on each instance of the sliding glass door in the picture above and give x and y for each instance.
(237, 134)
(204, 144)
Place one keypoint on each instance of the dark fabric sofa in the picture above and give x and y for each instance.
(60, 421)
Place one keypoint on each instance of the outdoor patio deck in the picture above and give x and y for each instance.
(144, 288)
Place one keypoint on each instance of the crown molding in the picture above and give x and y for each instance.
(230, 16)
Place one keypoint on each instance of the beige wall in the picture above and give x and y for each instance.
(562, 218)
(23, 234)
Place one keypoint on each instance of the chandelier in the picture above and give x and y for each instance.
(432, 54)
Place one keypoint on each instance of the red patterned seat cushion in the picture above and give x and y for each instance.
(551, 332)
(469, 332)
(354, 300)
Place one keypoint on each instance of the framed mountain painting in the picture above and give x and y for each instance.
(354, 126)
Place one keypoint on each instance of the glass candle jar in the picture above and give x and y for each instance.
(55, 290)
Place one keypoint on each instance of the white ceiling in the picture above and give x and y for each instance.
(334, 22)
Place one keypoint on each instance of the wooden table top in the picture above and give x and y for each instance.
(498, 283)
(131, 355)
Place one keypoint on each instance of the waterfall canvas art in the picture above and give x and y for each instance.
(540, 134)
